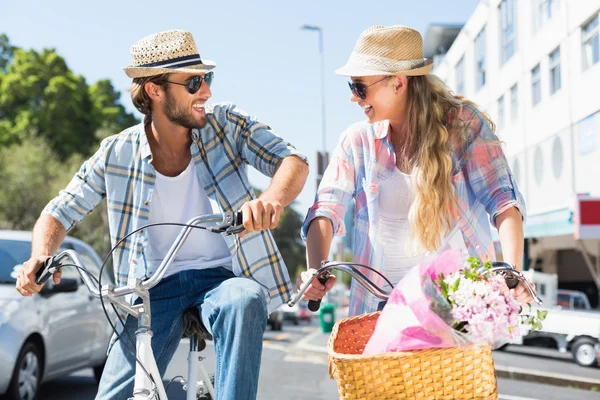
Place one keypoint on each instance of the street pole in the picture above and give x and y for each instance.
(322, 155)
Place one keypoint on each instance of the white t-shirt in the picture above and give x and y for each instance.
(395, 198)
(178, 199)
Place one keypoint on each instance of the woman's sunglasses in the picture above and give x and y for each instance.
(359, 89)
(195, 83)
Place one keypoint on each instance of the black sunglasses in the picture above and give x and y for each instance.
(195, 83)
(359, 89)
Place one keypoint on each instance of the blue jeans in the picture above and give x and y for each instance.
(234, 310)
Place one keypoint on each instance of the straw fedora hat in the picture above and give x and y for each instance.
(164, 53)
(387, 50)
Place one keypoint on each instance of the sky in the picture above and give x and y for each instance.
(266, 64)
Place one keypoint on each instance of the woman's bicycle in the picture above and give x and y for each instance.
(148, 383)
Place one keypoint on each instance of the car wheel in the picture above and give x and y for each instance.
(27, 375)
(98, 372)
(584, 352)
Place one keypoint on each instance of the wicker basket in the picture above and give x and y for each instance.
(432, 374)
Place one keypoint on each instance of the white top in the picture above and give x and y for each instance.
(178, 199)
(395, 198)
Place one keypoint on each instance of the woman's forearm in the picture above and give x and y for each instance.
(510, 231)
(318, 241)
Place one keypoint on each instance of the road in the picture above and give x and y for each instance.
(287, 374)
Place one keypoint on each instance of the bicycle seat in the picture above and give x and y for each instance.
(193, 326)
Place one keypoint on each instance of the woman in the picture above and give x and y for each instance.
(423, 163)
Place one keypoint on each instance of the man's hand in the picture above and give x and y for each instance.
(26, 279)
(317, 290)
(261, 214)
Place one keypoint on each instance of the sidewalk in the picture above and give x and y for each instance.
(511, 365)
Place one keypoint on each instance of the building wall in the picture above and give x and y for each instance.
(552, 153)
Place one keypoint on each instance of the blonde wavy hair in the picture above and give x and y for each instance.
(435, 131)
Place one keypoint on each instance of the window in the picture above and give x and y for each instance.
(536, 85)
(590, 47)
(554, 66)
(480, 59)
(514, 102)
(460, 76)
(544, 10)
(508, 33)
(501, 112)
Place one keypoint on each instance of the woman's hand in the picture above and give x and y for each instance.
(522, 294)
(317, 290)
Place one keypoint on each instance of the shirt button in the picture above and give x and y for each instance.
(133, 261)
(141, 231)
(146, 203)
(151, 175)
(476, 246)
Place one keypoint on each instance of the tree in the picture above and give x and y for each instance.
(6, 52)
(109, 114)
(41, 97)
(289, 242)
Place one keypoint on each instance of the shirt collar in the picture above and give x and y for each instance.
(381, 128)
(144, 145)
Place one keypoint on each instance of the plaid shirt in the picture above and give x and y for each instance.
(364, 157)
(122, 172)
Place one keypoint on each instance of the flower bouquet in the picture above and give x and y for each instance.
(449, 303)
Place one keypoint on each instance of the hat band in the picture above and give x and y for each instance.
(173, 63)
(387, 64)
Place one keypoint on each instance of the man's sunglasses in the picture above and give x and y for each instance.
(360, 89)
(195, 83)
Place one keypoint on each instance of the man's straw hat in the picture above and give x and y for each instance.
(166, 52)
(387, 50)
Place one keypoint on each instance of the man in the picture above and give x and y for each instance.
(187, 158)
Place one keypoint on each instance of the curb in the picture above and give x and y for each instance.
(502, 371)
(548, 378)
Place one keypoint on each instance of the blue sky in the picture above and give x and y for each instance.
(266, 64)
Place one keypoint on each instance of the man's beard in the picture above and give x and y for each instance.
(179, 115)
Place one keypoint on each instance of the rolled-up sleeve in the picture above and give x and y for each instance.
(83, 193)
(488, 173)
(258, 145)
(336, 189)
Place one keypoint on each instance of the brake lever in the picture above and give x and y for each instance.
(232, 224)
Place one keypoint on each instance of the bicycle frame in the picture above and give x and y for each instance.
(151, 387)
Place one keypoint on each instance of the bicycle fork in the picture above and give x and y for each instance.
(144, 388)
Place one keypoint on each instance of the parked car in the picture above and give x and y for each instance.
(570, 325)
(53, 333)
(275, 319)
(304, 314)
(291, 313)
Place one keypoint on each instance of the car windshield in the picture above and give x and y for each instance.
(13, 253)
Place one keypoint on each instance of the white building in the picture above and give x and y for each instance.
(534, 66)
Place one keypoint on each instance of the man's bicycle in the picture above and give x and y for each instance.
(148, 383)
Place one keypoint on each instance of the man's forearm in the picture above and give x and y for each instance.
(288, 180)
(48, 235)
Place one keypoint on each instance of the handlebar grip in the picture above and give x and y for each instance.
(45, 272)
(239, 218)
(314, 305)
(511, 281)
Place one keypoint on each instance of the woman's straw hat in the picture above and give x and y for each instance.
(387, 50)
(166, 52)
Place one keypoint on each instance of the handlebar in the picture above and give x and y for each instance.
(511, 275)
(228, 223)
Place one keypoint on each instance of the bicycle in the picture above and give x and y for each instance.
(148, 383)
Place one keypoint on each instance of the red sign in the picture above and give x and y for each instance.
(587, 218)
